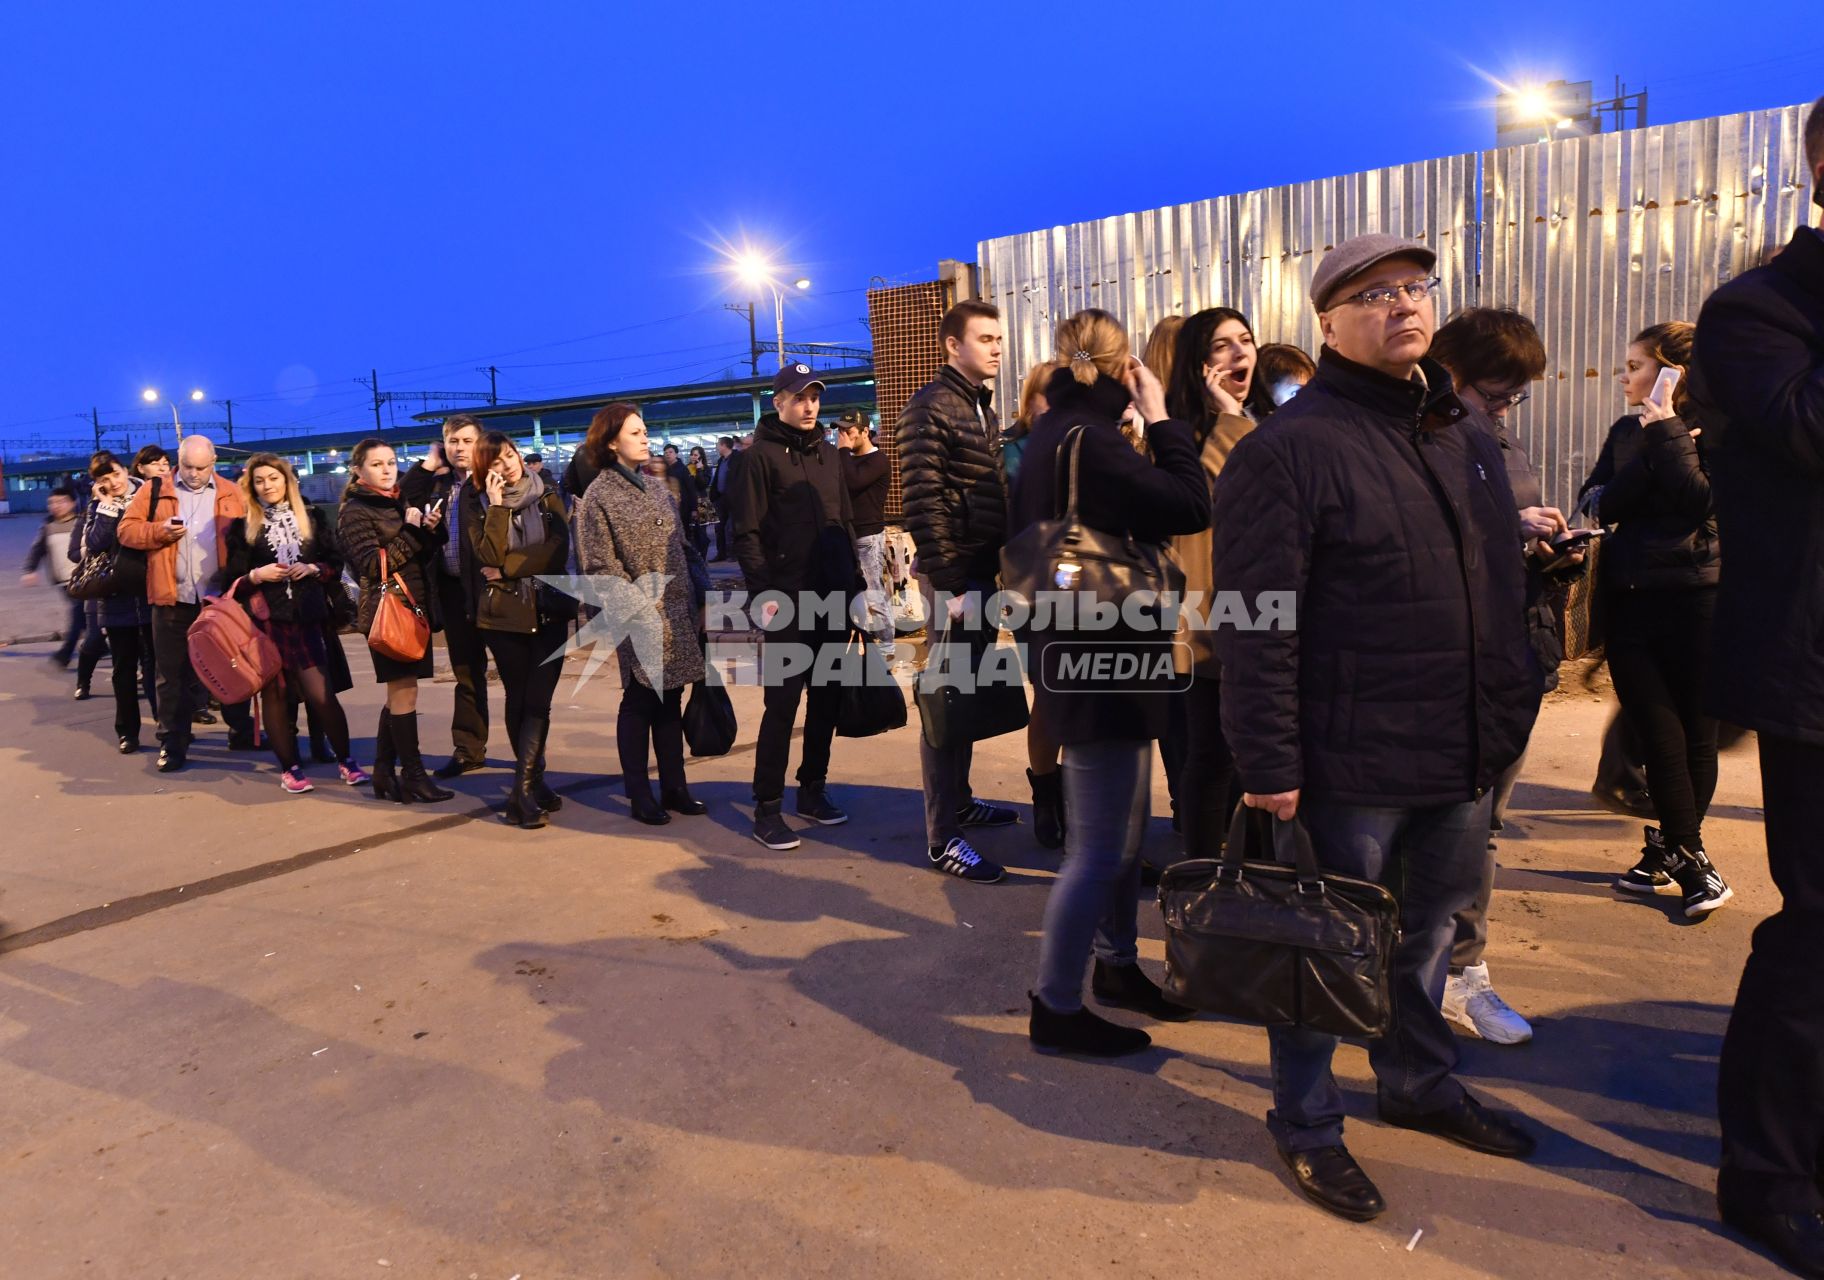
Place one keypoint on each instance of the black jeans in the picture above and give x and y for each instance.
(177, 683)
(650, 720)
(782, 695)
(1768, 1098)
(131, 649)
(529, 681)
(1431, 859)
(468, 651)
(1659, 653)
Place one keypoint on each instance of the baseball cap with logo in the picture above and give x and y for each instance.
(794, 378)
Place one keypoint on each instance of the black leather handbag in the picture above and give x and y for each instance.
(117, 572)
(952, 715)
(1065, 554)
(1280, 943)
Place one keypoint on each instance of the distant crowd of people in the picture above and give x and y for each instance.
(1378, 483)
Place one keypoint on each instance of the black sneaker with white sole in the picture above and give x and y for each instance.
(814, 803)
(978, 813)
(958, 859)
(1701, 883)
(1654, 870)
(770, 829)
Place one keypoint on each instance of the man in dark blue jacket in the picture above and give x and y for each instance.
(1758, 385)
(1383, 716)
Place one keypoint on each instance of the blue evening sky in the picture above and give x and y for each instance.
(268, 200)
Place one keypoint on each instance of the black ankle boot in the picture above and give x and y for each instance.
(522, 809)
(386, 784)
(415, 785)
(1126, 986)
(1047, 808)
(1081, 1032)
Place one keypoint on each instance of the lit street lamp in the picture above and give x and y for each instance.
(150, 396)
(756, 271)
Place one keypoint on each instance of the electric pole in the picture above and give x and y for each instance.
(493, 386)
(95, 417)
(228, 406)
(375, 385)
(753, 337)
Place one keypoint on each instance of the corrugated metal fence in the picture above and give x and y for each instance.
(1595, 238)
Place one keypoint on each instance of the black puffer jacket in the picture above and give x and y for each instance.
(789, 508)
(1406, 679)
(1758, 384)
(371, 522)
(1656, 492)
(951, 493)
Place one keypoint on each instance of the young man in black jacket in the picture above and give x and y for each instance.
(795, 536)
(956, 510)
(439, 478)
(1383, 714)
(721, 485)
(1757, 385)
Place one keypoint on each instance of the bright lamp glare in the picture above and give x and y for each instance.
(801, 283)
(753, 269)
(149, 396)
(196, 396)
(1533, 104)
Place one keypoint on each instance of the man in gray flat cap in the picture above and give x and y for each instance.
(1381, 716)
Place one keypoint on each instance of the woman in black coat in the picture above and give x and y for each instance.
(1657, 575)
(1106, 725)
(125, 619)
(281, 554)
(374, 523)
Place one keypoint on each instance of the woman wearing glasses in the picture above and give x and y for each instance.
(1658, 577)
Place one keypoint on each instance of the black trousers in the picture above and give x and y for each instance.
(529, 681)
(1206, 795)
(782, 695)
(1770, 1094)
(650, 720)
(131, 650)
(1659, 653)
(722, 538)
(177, 683)
(469, 661)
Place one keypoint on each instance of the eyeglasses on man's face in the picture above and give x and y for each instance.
(1383, 296)
(1498, 399)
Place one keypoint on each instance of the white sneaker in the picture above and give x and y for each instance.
(1471, 1003)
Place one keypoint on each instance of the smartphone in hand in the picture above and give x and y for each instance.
(1663, 387)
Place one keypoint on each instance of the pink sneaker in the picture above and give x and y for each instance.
(294, 781)
(353, 774)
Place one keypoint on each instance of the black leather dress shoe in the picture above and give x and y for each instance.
(1470, 1124)
(1330, 1178)
(170, 760)
(457, 767)
(683, 802)
(128, 746)
(1797, 1239)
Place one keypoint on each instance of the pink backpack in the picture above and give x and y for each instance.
(232, 657)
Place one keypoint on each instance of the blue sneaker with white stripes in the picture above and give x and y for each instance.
(978, 813)
(958, 859)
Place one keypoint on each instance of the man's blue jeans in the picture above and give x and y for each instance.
(1431, 859)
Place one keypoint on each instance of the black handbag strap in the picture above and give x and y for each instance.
(1065, 477)
(1281, 838)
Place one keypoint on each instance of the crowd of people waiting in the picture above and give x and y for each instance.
(1379, 483)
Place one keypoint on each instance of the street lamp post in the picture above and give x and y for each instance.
(150, 396)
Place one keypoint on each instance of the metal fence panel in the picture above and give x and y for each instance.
(1594, 237)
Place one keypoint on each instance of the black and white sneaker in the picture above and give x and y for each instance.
(770, 829)
(1701, 883)
(978, 813)
(958, 859)
(1654, 870)
(814, 803)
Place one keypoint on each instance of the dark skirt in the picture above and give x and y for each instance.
(388, 669)
(300, 644)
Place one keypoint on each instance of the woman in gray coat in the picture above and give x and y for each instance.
(628, 527)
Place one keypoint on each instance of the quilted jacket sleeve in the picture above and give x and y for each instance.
(926, 440)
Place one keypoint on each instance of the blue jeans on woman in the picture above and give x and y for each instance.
(1095, 902)
(1431, 859)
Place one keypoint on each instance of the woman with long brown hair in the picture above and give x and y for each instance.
(514, 530)
(376, 523)
(1657, 576)
(284, 551)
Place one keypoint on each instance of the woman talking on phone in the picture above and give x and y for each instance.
(1657, 575)
(376, 521)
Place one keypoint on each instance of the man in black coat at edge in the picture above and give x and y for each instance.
(1382, 715)
(956, 510)
(1757, 385)
(795, 535)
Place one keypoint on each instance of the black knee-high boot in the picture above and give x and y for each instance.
(522, 810)
(386, 785)
(415, 785)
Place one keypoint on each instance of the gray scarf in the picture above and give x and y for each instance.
(522, 499)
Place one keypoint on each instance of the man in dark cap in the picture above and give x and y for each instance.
(1757, 382)
(1382, 715)
(794, 535)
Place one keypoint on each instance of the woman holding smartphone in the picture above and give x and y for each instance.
(1658, 574)
(375, 519)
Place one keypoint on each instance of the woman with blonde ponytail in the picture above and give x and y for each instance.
(1106, 725)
